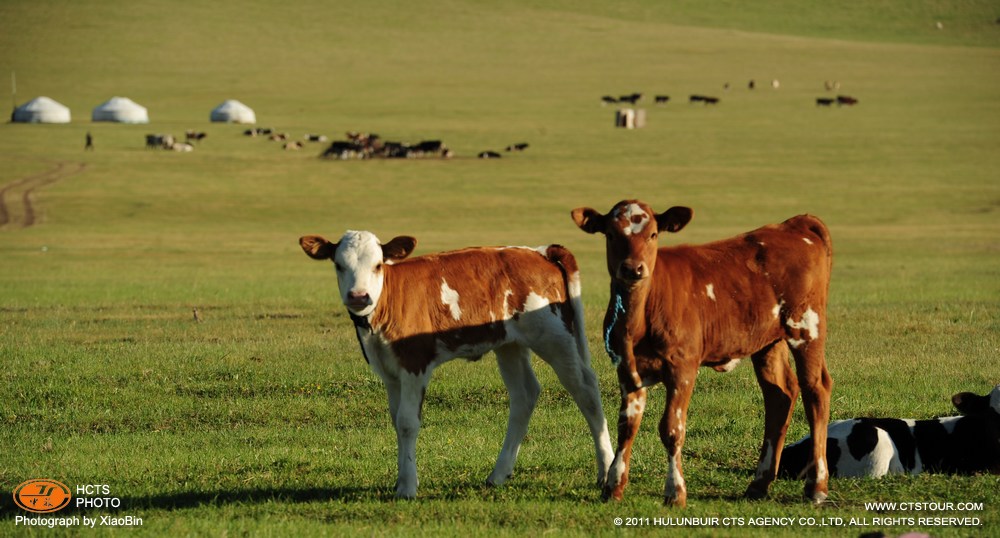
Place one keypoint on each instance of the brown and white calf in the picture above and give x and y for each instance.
(674, 309)
(412, 315)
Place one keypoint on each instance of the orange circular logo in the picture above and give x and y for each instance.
(42, 496)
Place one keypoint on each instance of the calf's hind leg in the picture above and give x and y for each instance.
(778, 384)
(523, 389)
(575, 374)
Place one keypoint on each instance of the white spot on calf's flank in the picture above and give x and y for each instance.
(449, 298)
(534, 302)
(710, 291)
(809, 322)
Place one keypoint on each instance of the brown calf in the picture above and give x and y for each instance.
(674, 309)
(412, 315)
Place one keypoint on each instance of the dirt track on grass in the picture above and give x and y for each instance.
(26, 187)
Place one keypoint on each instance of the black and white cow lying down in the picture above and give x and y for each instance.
(874, 447)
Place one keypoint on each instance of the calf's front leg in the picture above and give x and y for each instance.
(411, 399)
(629, 417)
(680, 385)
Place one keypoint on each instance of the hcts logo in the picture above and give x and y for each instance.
(42, 496)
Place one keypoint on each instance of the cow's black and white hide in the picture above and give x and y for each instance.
(875, 447)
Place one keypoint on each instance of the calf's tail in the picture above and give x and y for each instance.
(562, 257)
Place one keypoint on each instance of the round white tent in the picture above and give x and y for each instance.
(41, 110)
(121, 110)
(233, 111)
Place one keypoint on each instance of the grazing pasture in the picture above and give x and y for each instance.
(261, 417)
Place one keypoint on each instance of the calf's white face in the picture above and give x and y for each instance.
(360, 262)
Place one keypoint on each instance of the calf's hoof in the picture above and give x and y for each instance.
(679, 500)
(816, 495)
(611, 494)
(754, 493)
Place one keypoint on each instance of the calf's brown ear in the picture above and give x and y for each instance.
(317, 248)
(399, 248)
(588, 220)
(674, 219)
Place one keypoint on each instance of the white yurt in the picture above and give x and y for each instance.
(233, 111)
(121, 110)
(41, 110)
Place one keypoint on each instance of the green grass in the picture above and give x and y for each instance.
(264, 420)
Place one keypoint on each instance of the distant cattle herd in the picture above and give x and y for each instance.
(661, 99)
(363, 146)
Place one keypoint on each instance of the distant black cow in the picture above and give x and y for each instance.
(518, 147)
(874, 447)
(846, 100)
(710, 100)
(662, 98)
(488, 155)
(632, 98)
(344, 150)
(696, 98)
(154, 141)
(194, 136)
(315, 138)
(824, 101)
(607, 99)
(428, 146)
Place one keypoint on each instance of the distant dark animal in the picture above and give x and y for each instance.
(607, 99)
(824, 101)
(89, 143)
(662, 98)
(488, 155)
(518, 147)
(159, 141)
(395, 150)
(632, 98)
(194, 136)
(251, 132)
(343, 150)
(696, 98)
(875, 447)
(428, 146)
(846, 100)
(315, 138)
(751, 85)
(710, 100)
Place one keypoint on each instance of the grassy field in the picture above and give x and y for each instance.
(263, 419)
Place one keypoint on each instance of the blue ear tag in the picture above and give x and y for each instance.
(619, 309)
